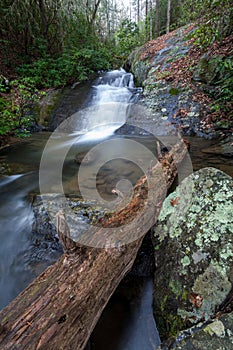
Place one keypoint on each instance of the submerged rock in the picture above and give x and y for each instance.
(193, 251)
(225, 148)
(45, 248)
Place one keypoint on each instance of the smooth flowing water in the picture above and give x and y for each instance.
(128, 318)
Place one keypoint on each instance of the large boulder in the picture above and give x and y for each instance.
(193, 251)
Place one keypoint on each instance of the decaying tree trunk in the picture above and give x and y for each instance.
(60, 308)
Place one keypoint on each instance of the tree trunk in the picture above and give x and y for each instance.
(157, 18)
(93, 15)
(151, 19)
(45, 27)
(138, 11)
(146, 21)
(60, 308)
(168, 15)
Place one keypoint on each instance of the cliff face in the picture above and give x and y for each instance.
(181, 82)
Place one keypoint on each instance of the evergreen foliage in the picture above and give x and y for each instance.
(51, 43)
(127, 37)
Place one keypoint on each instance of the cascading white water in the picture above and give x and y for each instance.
(109, 105)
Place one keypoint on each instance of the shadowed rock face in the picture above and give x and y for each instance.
(193, 251)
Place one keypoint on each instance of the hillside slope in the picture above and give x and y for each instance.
(189, 86)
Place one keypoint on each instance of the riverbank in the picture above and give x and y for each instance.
(182, 83)
(181, 97)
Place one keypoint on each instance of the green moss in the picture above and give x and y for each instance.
(163, 304)
(176, 287)
(46, 107)
(169, 324)
(185, 295)
(173, 91)
(176, 324)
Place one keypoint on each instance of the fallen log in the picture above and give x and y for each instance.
(61, 307)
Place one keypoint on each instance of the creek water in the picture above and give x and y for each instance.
(127, 323)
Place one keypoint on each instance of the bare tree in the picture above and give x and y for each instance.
(151, 19)
(146, 20)
(157, 17)
(168, 15)
(45, 25)
(138, 11)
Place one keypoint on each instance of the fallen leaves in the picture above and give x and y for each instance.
(196, 299)
(182, 113)
(156, 45)
(174, 201)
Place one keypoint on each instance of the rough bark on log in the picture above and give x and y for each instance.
(60, 308)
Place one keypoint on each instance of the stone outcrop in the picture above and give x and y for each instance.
(180, 83)
(194, 251)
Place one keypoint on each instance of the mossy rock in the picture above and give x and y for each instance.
(138, 67)
(193, 251)
(46, 106)
(207, 70)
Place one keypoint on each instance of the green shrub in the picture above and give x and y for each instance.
(127, 37)
(17, 108)
(72, 65)
(224, 87)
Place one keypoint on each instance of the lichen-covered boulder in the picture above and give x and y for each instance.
(193, 251)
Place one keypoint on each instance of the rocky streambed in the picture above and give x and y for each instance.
(193, 238)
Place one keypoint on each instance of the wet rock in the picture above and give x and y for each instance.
(45, 247)
(216, 335)
(144, 262)
(138, 67)
(193, 251)
(225, 148)
(72, 101)
(86, 158)
(128, 129)
(79, 215)
(45, 107)
(174, 105)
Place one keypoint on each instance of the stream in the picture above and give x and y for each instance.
(127, 322)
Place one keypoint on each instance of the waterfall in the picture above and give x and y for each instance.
(108, 106)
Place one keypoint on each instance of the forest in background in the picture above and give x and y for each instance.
(52, 43)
